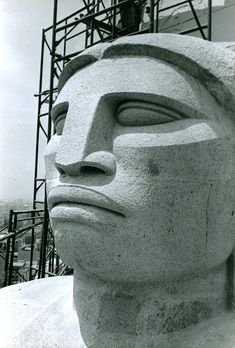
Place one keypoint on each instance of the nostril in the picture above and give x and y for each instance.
(102, 160)
(89, 170)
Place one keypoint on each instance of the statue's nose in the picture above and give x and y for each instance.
(86, 142)
(96, 162)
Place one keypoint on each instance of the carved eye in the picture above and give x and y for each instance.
(58, 114)
(59, 123)
(135, 113)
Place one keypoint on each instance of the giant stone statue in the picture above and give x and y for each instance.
(140, 182)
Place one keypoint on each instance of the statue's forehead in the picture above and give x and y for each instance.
(135, 75)
(126, 73)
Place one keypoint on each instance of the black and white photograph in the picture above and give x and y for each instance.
(117, 187)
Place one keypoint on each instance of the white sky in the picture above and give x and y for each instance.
(21, 22)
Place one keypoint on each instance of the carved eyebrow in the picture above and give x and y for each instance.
(59, 109)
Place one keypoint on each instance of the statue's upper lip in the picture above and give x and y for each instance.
(82, 195)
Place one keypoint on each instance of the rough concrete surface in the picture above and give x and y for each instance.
(140, 183)
(41, 315)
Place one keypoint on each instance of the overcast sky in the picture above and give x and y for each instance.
(21, 22)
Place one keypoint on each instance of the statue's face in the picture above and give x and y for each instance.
(140, 180)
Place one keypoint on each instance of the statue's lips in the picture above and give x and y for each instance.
(74, 195)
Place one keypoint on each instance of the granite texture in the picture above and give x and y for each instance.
(151, 142)
(140, 182)
(41, 316)
(36, 314)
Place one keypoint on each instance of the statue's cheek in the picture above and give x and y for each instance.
(49, 157)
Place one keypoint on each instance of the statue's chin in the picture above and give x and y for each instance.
(83, 247)
(113, 254)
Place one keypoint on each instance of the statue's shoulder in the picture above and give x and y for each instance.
(39, 313)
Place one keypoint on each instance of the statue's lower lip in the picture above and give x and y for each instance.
(85, 214)
(81, 205)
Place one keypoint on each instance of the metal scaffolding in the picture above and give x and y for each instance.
(96, 21)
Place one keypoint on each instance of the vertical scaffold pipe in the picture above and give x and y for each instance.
(151, 17)
(209, 20)
(32, 246)
(13, 239)
(157, 17)
(38, 122)
(6, 268)
(49, 126)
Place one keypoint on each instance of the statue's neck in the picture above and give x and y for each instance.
(117, 314)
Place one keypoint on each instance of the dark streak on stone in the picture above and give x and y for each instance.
(207, 218)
